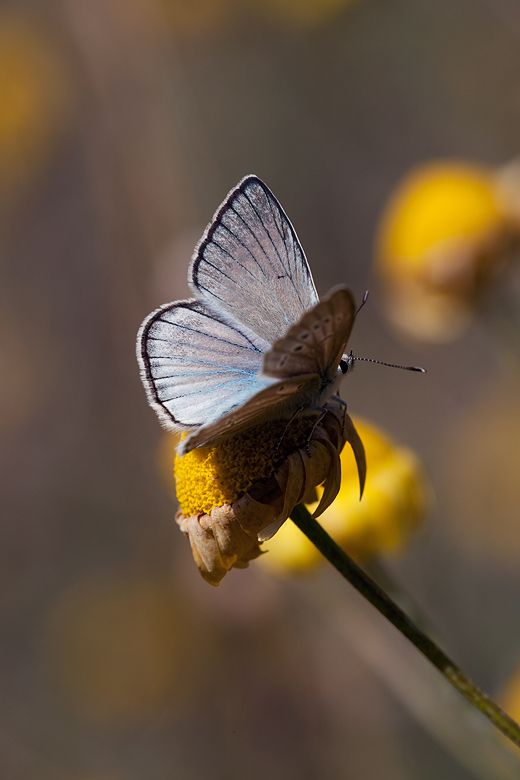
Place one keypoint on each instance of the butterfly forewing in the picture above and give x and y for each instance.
(317, 342)
(250, 265)
(195, 365)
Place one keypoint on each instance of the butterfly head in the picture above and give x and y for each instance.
(347, 363)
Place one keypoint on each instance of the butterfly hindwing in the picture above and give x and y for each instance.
(317, 342)
(195, 365)
(250, 265)
(279, 400)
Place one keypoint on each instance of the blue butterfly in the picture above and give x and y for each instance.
(254, 343)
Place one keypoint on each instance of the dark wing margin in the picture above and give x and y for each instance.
(250, 263)
(195, 365)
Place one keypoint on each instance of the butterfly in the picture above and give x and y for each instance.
(255, 342)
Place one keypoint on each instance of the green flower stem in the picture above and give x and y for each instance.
(378, 598)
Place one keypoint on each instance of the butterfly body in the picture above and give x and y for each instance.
(255, 343)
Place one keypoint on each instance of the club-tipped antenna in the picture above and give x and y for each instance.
(347, 364)
(392, 365)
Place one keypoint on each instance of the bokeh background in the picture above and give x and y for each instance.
(123, 124)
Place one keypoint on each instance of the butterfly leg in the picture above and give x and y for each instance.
(321, 412)
(344, 405)
(280, 440)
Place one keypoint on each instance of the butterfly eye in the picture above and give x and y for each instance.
(348, 363)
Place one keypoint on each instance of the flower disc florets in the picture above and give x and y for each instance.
(237, 493)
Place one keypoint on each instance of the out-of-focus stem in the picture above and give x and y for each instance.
(378, 598)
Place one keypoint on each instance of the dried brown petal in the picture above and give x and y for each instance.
(229, 536)
(218, 542)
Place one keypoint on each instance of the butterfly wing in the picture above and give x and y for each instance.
(201, 360)
(279, 400)
(196, 366)
(250, 265)
(317, 342)
(304, 362)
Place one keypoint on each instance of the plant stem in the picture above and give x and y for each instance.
(378, 598)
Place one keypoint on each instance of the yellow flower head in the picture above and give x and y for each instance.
(34, 100)
(446, 231)
(218, 475)
(394, 502)
(237, 493)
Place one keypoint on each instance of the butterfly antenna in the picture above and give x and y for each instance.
(392, 365)
(365, 299)
(347, 361)
(347, 364)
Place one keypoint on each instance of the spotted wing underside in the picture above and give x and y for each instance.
(317, 342)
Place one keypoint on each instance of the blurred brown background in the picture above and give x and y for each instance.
(123, 124)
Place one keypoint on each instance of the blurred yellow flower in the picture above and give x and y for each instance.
(445, 233)
(195, 17)
(478, 471)
(119, 648)
(393, 504)
(305, 13)
(202, 17)
(34, 99)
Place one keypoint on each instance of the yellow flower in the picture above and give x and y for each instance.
(447, 230)
(118, 648)
(196, 17)
(203, 17)
(393, 504)
(237, 493)
(304, 13)
(34, 98)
